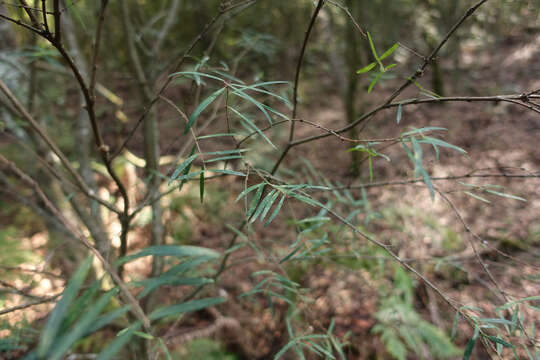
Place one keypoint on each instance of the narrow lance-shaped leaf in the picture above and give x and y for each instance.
(60, 310)
(78, 331)
(169, 250)
(509, 196)
(439, 142)
(194, 74)
(389, 52)
(269, 205)
(252, 125)
(423, 130)
(366, 68)
(373, 51)
(119, 342)
(374, 81)
(227, 172)
(201, 186)
(262, 205)
(399, 113)
(203, 105)
(276, 211)
(255, 87)
(187, 169)
(183, 165)
(478, 197)
(255, 201)
(248, 190)
(184, 307)
(470, 344)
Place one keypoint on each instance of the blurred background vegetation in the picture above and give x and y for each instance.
(305, 286)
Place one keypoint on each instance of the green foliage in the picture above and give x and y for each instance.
(204, 349)
(403, 330)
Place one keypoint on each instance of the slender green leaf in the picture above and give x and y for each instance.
(60, 310)
(217, 135)
(374, 81)
(227, 172)
(269, 205)
(439, 142)
(389, 51)
(262, 206)
(255, 200)
(106, 319)
(169, 250)
(79, 330)
(512, 303)
(187, 169)
(366, 68)
(143, 335)
(187, 264)
(477, 197)
(119, 342)
(252, 125)
(454, 326)
(500, 341)
(184, 307)
(255, 87)
(226, 152)
(399, 113)
(509, 196)
(152, 284)
(248, 190)
(470, 345)
(276, 210)
(203, 105)
(201, 186)
(423, 130)
(181, 167)
(291, 254)
(195, 73)
(372, 46)
(224, 158)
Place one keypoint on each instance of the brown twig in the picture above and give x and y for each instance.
(20, 23)
(473, 246)
(296, 83)
(97, 41)
(30, 304)
(44, 15)
(57, 21)
(348, 12)
(28, 10)
(512, 98)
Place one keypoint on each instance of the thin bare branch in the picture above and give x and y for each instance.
(20, 23)
(97, 41)
(57, 21)
(30, 304)
(30, 13)
(296, 83)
